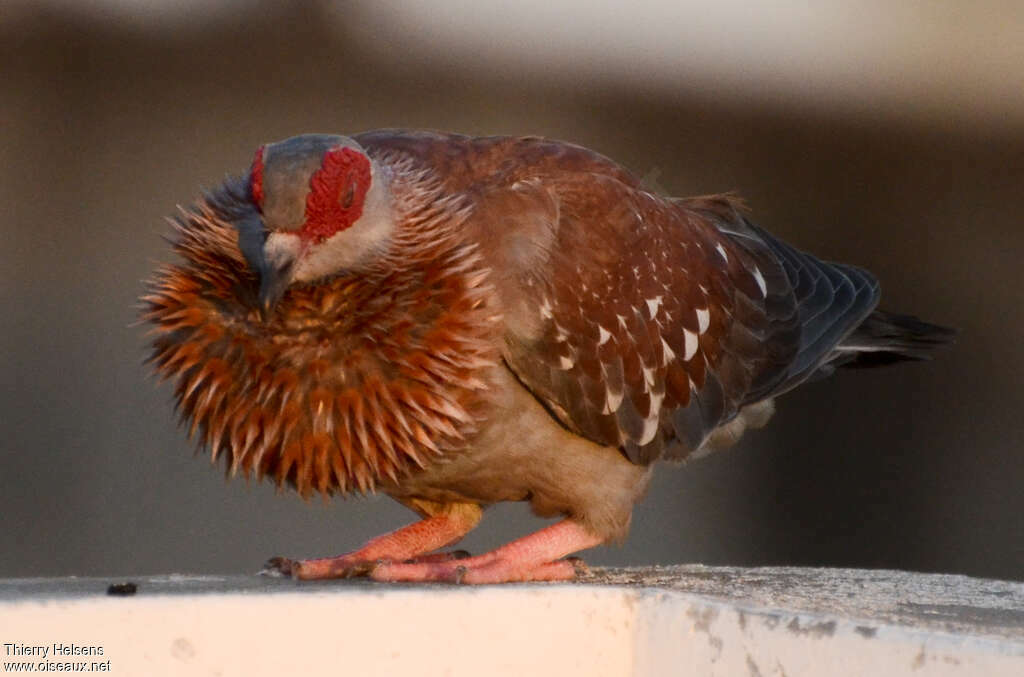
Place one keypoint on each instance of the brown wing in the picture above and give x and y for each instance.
(652, 326)
(659, 320)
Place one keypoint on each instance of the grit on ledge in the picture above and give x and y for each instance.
(942, 602)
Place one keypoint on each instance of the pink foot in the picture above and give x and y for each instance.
(407, 544)
(537, 557)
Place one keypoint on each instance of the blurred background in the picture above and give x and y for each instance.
(890, 135)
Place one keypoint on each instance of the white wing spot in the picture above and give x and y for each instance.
(669, 354)
(759, 278)
(690, 343)
(650, 430)
(703, 320)
(656, 400)
(611, 402)
(703, 289)
(648, 378)
(622, 320)
(653, 305)
(721, 252)
(602, 335)
(565, 363)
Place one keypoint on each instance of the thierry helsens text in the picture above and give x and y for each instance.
(55, 649)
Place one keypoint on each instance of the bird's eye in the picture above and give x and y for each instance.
(350, 194)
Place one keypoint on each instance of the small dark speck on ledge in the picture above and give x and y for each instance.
(122, 589)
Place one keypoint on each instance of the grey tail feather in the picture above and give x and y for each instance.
(884, 338)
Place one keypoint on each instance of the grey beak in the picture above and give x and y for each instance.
(273, 282)
(252, 236)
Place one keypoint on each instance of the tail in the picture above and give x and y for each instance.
(884, 338)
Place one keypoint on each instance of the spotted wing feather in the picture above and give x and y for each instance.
(654, 325)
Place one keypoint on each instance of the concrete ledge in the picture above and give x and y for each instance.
(653, 621)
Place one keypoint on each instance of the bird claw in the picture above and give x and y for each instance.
(579, 566)
(278, 567)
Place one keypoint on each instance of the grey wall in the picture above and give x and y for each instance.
(105, 130)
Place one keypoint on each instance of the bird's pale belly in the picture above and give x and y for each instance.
(525, 455)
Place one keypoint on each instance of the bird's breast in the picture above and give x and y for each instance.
(353, 382)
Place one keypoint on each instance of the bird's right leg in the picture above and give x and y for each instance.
(442, 525)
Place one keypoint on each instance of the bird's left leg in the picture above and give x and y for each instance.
(537, 557)
(442, 525)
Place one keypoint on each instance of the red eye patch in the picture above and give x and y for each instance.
(337, 192)
(256, 178)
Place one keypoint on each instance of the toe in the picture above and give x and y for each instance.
(502, 572)
(415, 572)
(476, 573)
(315, 569)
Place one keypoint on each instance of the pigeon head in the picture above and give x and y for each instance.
(322, 208)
